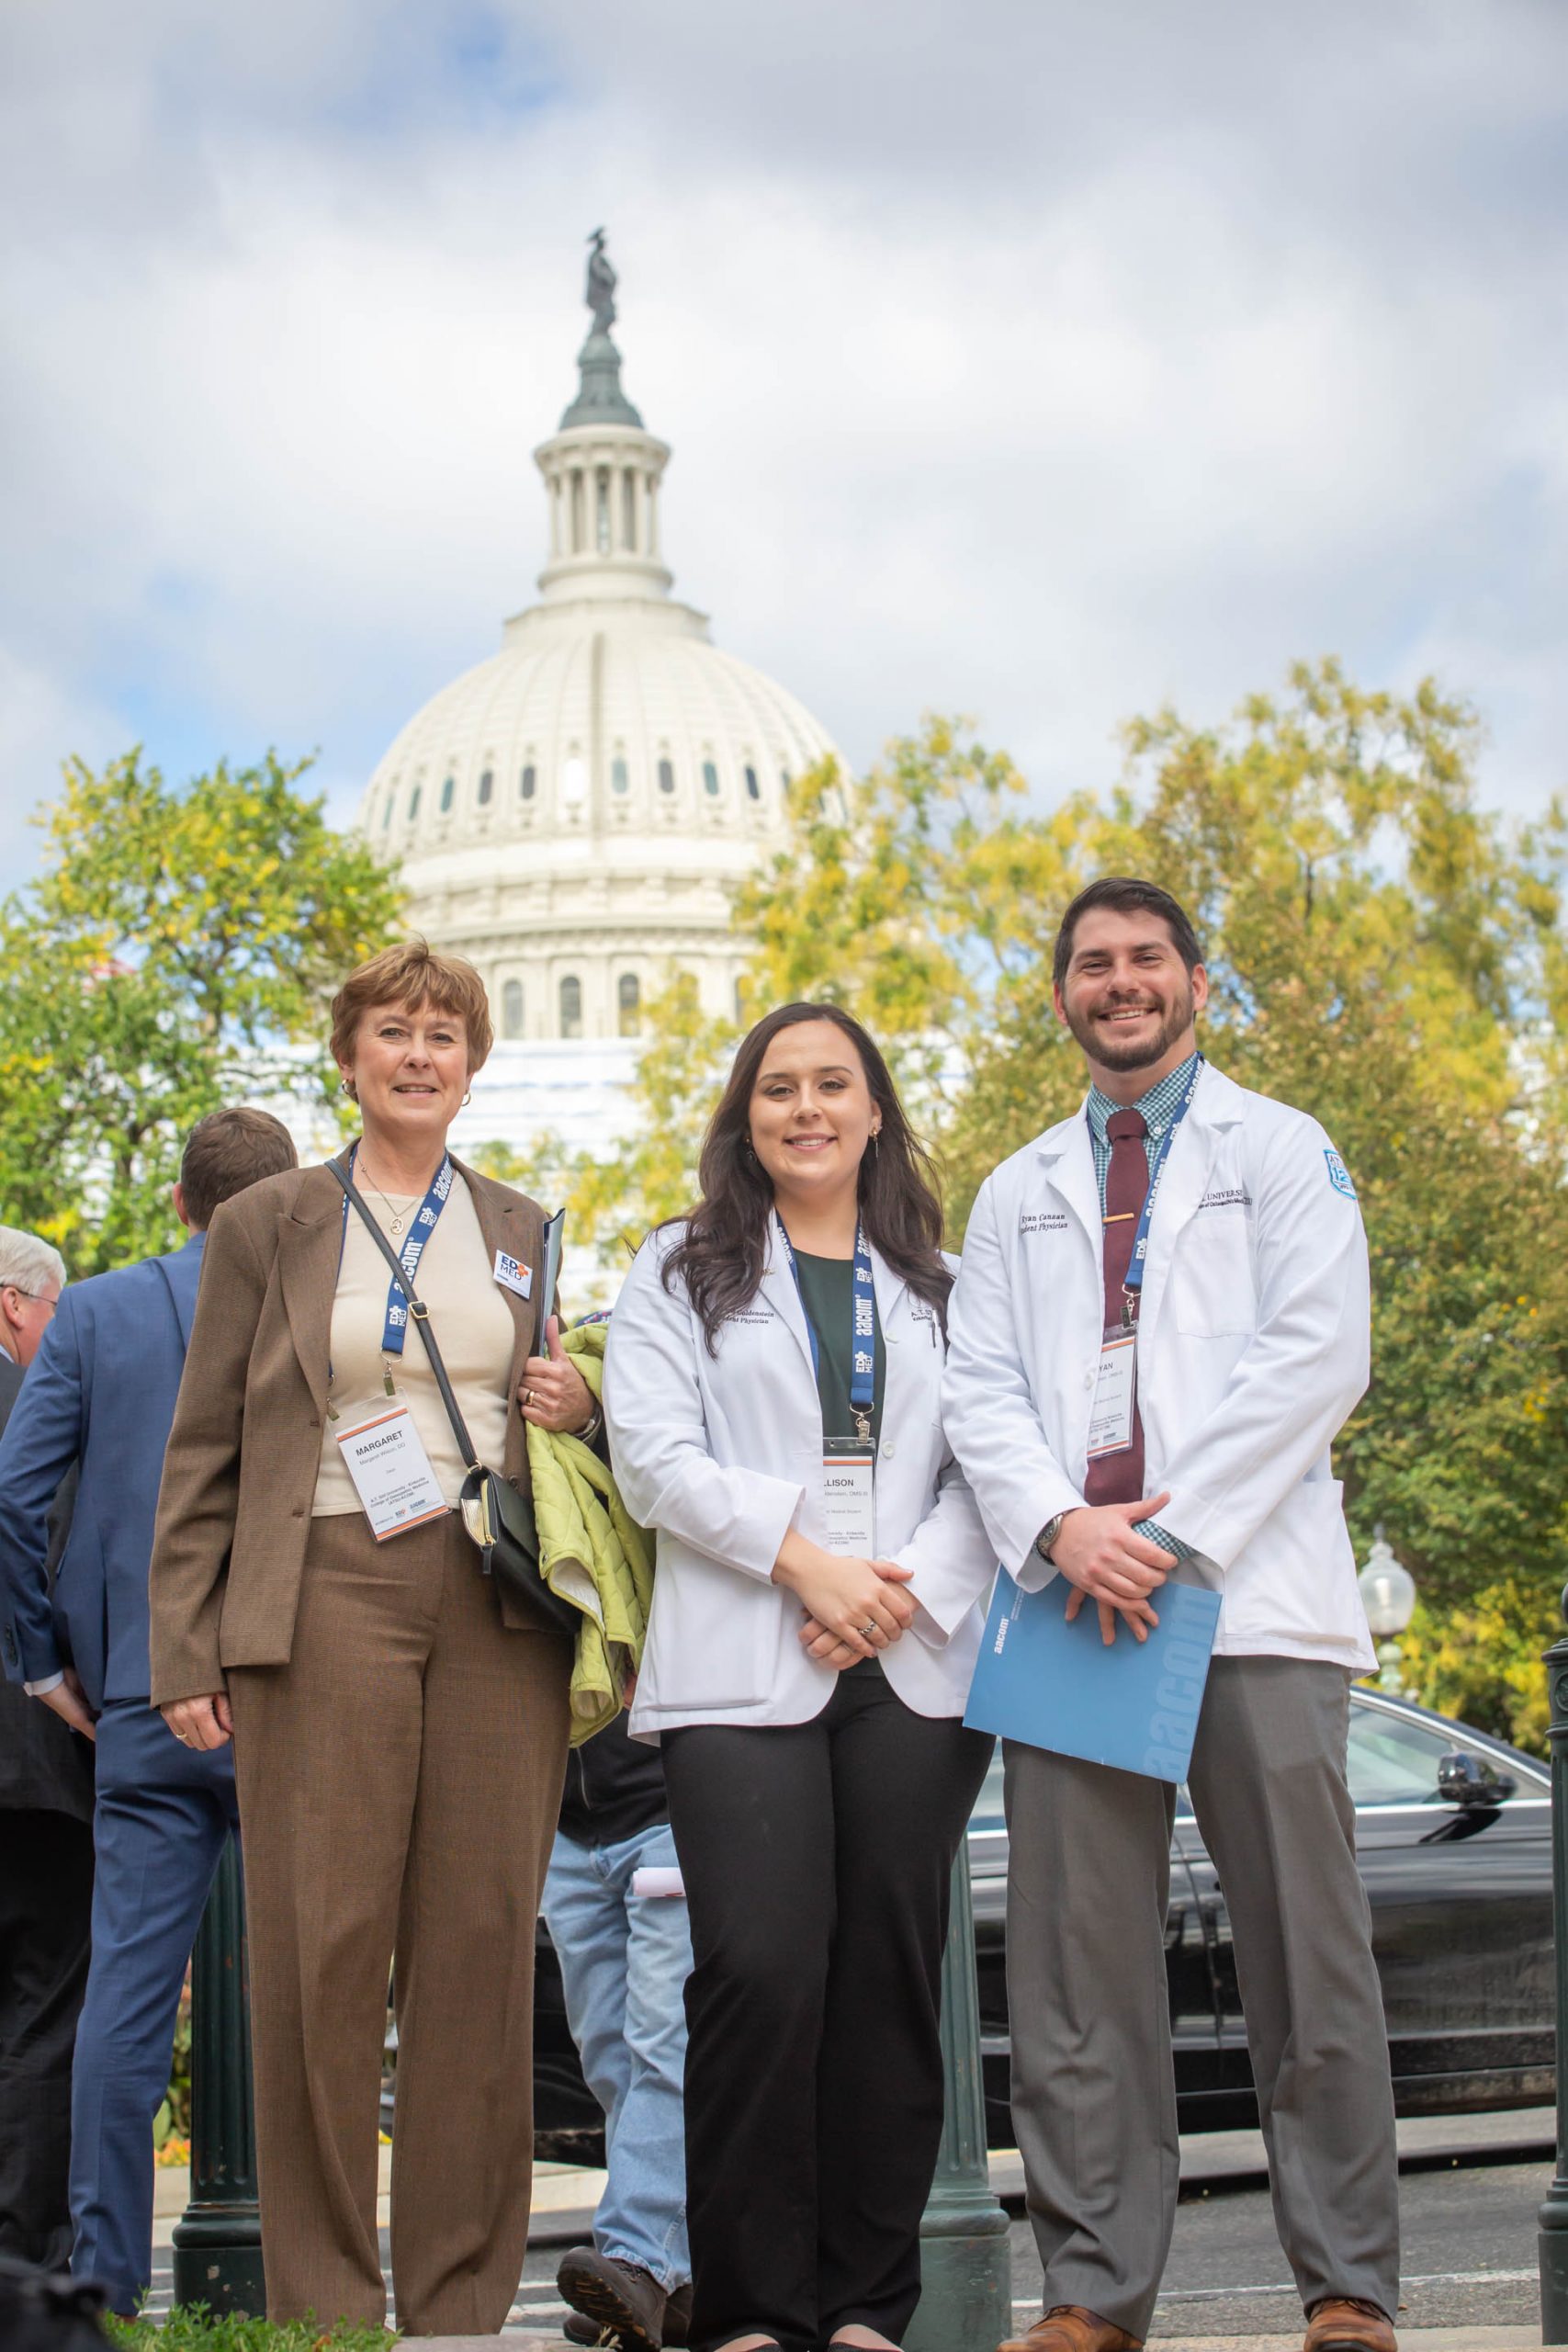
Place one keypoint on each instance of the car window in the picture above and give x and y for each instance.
(1394, 1759)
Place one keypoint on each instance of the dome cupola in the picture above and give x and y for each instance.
(574, 813)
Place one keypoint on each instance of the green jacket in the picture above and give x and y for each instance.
(591, 1552)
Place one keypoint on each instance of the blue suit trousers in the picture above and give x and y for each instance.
(162, 1815)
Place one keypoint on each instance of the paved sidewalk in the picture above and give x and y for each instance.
(1411, 2339)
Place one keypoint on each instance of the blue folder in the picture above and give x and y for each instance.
(1132, 1704)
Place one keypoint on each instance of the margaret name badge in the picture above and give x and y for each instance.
(384, 1457)
(849, 1499)
(1115, 1387)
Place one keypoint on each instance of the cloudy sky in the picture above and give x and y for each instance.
(1040, 361)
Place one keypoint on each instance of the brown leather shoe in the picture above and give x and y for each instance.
(1345, 2323)
(1068, 2328)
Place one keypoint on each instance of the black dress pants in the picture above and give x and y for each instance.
(817, 1860)
(46, 1908)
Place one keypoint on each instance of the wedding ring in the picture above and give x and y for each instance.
(528, 1395)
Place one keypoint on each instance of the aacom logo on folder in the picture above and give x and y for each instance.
(1132, 1705)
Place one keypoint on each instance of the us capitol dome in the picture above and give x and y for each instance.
(574, 813)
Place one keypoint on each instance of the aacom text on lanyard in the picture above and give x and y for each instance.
(1132, 1281)
(394, 1328)
(863, 1348)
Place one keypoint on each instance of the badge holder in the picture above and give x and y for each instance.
(1115, 1392)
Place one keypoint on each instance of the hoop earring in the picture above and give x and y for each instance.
(346, 1086)
(467, 1100)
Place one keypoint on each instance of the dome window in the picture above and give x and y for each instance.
(710, 779)
(571, 1006)
(387, 811)
(512, 1009)
(530, 781)
(573, 781)
(629, 1004)
(620, 776)
(487, 785)
(753, 789)
(413, 802)
(783, 779)
(449, 793)
(666, 775)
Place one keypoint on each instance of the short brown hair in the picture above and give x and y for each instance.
(412, 975)
(227, 1152)
(1126, 895)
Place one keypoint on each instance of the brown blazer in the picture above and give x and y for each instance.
(240, 1472)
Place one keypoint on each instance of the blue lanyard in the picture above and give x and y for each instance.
(862, 1332)
(394, 1330)
(1133, 1281)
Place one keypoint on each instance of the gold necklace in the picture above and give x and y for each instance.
(397, 1224)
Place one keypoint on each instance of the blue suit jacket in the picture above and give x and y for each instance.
(100, 1392)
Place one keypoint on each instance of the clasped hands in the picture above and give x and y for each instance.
(854, 1608)
(1105, 1560)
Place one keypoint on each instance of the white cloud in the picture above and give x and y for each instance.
(1041, 361)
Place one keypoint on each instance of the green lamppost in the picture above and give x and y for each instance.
(966, 2263)
(218, 2258)
(1553, 2238)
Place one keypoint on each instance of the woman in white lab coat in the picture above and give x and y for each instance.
(772, 1391)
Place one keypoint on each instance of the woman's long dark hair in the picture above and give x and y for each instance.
(724, 1248)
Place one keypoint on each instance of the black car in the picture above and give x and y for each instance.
(1454, 1830)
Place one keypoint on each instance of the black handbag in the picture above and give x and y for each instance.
(495, 1513)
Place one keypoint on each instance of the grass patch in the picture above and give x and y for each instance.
(191, 2329)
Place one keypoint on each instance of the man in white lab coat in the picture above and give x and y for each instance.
(1222, 1229)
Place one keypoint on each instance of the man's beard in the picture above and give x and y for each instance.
(1103, 1047)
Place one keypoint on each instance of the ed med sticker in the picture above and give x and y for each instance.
(512, 1274)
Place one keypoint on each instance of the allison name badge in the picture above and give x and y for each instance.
(849, 1499)
(384, 1457)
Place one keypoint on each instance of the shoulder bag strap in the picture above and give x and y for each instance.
(421, 1314)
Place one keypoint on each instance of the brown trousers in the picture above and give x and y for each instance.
(399, 1782)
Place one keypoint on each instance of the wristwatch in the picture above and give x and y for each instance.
(593, 1428)
(1047, 1537)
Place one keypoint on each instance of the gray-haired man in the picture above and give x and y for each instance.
(46, 1885)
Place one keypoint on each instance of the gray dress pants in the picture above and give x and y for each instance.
(1093, 2094)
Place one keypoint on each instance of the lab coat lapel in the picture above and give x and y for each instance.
(1183, 1185)
(1068, 1159)
(900, 1335)
(778, 1291)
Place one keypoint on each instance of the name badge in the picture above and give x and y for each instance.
(849, 1499)
(512, 1274)
(1115, 1388)
(384, 1457)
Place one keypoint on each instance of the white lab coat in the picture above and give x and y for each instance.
(722, 1455)
(1253, 1347)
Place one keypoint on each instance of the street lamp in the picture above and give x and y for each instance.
(1388, 1595)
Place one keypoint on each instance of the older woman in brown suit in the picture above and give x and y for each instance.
(399, 1740)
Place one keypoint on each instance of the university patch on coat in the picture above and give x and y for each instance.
(1339, 1174)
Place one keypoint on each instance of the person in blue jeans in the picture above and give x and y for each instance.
(625, 1956)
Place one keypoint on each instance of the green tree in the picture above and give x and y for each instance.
(178, 952)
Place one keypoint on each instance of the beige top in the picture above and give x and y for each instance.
(473, 1330)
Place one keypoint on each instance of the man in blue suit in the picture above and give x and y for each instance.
(100, 1396)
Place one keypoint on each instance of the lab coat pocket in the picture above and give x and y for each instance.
(712, 1637)
(1211, 1287)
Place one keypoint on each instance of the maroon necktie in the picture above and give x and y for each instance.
(1119, 1478)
